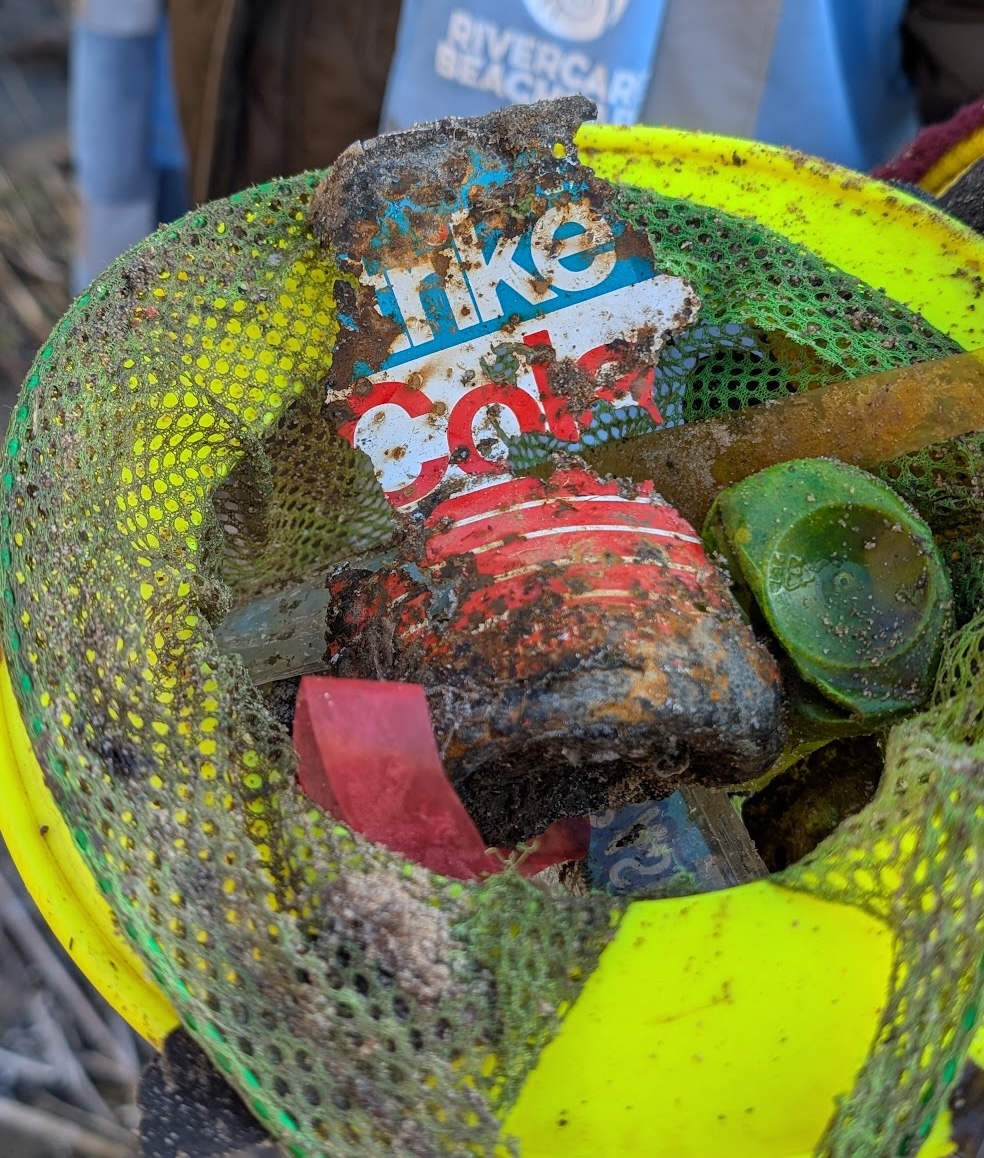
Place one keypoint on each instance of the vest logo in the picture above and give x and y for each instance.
(576, 19)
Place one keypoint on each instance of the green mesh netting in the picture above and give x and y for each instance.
(167, 459)
(810, 325)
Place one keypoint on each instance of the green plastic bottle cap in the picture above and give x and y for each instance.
(847, 576)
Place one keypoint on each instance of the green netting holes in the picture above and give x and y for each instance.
(287, 1121)
(270, 280)
(214, 1032)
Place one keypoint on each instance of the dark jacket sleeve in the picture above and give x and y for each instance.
(944, 54)
(271, 87)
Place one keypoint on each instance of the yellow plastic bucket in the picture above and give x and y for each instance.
(728, 1022)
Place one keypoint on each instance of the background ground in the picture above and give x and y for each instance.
(67, 1063)
(37, 205)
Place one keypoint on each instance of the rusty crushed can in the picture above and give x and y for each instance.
(578, 649)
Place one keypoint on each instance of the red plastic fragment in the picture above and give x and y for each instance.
(368, 756)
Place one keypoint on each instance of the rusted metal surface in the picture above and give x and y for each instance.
(578, 649)
(494, 293)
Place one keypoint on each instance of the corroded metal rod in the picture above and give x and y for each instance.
(864, 421)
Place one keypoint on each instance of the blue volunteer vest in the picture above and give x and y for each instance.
(823, 76)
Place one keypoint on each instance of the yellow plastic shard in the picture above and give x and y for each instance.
(953, 164)
(875, 232)
(725, 1024)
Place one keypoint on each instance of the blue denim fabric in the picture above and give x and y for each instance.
(111, 104)
(835, 86)
(126, 142)
(167, 146)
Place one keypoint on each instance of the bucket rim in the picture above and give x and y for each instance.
(883, 235)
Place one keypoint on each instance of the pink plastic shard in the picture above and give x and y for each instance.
(368, 756)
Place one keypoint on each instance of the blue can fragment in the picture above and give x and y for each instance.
(690, 842)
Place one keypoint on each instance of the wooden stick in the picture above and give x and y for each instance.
(101, 1068)
(13, 970)
(28, 1069)
(26, 257)
(61, 194)
(863, 421)
(49, 1103)
(734, 852)
(126, 1039)
(17, 207)
(17, 921)
(59, 1053)
(22, 302)
(38, 1124)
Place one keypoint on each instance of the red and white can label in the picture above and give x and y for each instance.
(507, 301)
(445, 415)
